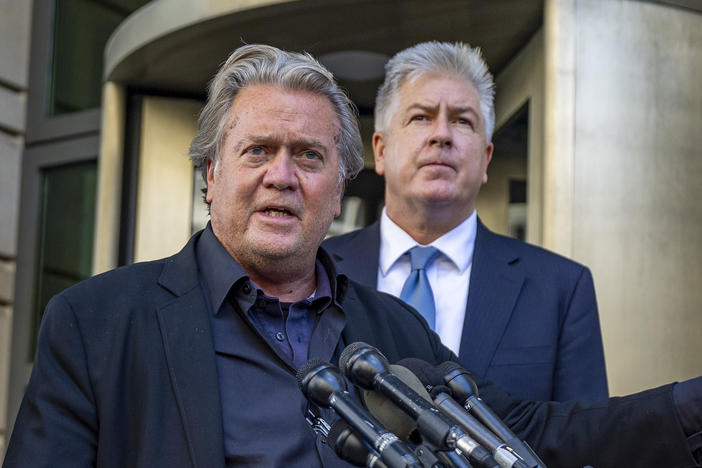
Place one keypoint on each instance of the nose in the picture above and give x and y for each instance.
(441, 133)
(280, 172)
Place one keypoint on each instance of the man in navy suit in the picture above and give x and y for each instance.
(512, 312)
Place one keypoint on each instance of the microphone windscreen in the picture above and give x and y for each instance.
(393, 418)
(348, 352)
(305, 369)
(461, 378)
(427, 373)
(411, 380)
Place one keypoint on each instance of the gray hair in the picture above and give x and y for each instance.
(457, 59)
(263, 64)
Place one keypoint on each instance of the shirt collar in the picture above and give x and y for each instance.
(220, 271)
(457, 245)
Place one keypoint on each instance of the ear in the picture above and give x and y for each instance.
(488, 158)
(210, 179)
(378, 143)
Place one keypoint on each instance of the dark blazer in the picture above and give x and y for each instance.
(532, 324)
(125, 376)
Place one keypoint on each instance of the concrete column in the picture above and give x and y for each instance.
(559, 124)
(622, 172)
(638, 217)
(14, 68)
(109, 191)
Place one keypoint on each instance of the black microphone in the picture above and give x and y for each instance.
(406, 428)
(433, 380)
(366, 367)
(465, 391)
(349, 447)
(322, 384)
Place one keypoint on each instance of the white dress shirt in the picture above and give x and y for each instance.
(449, 273)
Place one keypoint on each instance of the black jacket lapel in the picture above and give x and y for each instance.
(187, 343)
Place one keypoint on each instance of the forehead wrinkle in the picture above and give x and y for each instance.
(423, 107)
(458, 109)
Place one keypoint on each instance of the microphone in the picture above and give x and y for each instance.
(433, 380)
(347, 445)
(323, 385)
(406, 428)
(465, 391)
(342, 438)
(366, 367)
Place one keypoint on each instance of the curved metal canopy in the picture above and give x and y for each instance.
(177, 45)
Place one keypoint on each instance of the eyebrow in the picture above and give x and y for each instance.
(453, 110)
(311, 143)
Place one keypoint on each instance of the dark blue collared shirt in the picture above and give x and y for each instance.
(259, 345)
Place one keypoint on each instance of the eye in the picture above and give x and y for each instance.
(418, 118)
(464, 121)
(311, 155)
(255, 150)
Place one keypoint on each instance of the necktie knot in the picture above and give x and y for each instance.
(420, 257)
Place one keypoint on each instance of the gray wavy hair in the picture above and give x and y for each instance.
(436, 57)
(262, 64)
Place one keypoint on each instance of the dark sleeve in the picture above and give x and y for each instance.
(580, 366)
(640, 430)
(687, 397)
(57, 424)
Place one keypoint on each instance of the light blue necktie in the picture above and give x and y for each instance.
(417, 290)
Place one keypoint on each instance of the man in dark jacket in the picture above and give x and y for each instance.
(190, 361)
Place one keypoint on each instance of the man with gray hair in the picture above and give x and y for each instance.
(516, 314)
(190, 361)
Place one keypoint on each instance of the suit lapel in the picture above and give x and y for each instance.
(494, 287)
(187, 343)
(358, 257)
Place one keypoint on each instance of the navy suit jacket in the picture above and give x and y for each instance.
(125, 376)
(532, 324)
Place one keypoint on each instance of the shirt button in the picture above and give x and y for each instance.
(246, 288)
(279, 336)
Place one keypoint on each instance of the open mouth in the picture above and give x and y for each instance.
(277, 212)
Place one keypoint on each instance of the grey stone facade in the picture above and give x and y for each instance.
(14, 70)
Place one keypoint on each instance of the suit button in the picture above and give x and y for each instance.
(279, 336)
(246, 288)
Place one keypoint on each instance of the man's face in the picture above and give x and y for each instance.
(276, 188)
(434, 151)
